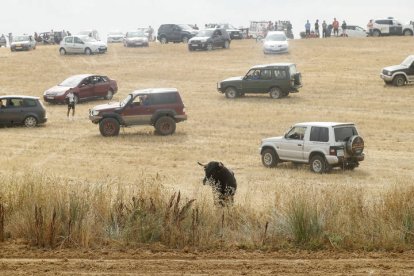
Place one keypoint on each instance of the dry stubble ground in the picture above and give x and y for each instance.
(341, 83)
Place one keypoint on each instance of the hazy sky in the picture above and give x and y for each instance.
(27, 16)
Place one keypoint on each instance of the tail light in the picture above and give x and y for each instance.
(332, 151)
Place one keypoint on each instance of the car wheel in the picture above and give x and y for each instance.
(163, 40)
(269, 158)
(30, 121)
(109, 95)
(231, 93)
(318, 164)
(209, 47)
(408, 33)
(190, 48)
(398, 80)
(185, 39)
(350, 167)
(275, 93)
(109, 127)
(62, 51)
(88, 52)
(376, 33)
(165, 125)
(226, 44)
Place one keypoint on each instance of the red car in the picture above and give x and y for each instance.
(84, 87)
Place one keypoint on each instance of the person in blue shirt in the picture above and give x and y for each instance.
(307, 28)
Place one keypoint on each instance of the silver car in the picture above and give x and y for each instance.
(81, 44)
(22, 43)
(136, 38)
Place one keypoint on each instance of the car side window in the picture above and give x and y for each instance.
(296, 133)
(78, 40)
(279, 74)
(29, 103)
(319, 134)
(69, 40)
(15, 103)
(266, 74)
(253, 74)
(217, 33)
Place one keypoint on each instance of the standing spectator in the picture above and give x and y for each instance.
(10, 38)
(324, 29)
(335, 25)
(195, 27)
(150, 32)
(307, 29)
(370, 27)
(344, 29)
(317, 28)
(71, 103)
(276, 26)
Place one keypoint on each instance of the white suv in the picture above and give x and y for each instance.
(81, 44)
(390, 26)
(323, 145)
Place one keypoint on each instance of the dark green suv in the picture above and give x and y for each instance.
(278, 79)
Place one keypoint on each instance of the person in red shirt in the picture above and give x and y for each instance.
(335, 26)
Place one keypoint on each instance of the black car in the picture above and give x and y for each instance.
(401, 74)
(210, 38)
(233, 32)
(175, 33)
(21, 110)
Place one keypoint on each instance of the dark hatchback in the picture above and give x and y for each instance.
(21, 110)
(209, 39)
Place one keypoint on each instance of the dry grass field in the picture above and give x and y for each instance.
(369, 208)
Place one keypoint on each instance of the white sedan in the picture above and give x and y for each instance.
(275, 43)
(353, 31)
(81, 44)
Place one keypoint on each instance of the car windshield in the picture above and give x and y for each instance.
(71, 81)
(276, 37)
(408, 61)
(185, 27)
(88, 39)
(135, 34)
(21, 38)
(343, 133)
(205, 33)
(125, 101)
(115, 33)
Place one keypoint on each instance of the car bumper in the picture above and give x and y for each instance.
(197, 46)
(275, 50)
(339, 160)
(180, 118)
(386, 77)
(137, 44)
(95, 119)
(54, 99)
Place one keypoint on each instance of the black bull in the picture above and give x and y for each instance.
(222, 180)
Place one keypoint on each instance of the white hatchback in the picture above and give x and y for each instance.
(81, 44)
(275, 43)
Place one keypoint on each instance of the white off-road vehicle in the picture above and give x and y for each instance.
(322, 145)
(390, 26)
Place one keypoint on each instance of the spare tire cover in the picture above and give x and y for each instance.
(355, 145)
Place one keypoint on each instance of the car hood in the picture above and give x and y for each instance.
(107, 107)
(20, 42)
(57, 89)
(272, 139)
(202, 38)
(275, 43)
(97, 43)
(395, 68)
(234, 79)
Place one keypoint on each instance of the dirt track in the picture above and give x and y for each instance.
(18, 260)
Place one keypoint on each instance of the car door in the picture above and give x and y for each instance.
(395, 28)
(3, 111)
(138, 112)
(86, 88)
(14, 113)
(176, 33)
(78, 45)
(292, 144)
(410, 72)
(217, 39)
(68, 44)
(101, 86)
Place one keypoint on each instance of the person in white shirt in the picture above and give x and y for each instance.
(71, 103)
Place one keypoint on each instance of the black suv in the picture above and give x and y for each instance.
(401, 74)
(159, 107)
(210, 38)
(175, 33)
(21, 110)
(278, 79)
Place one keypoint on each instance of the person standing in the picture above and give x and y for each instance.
(71, 103)
(307, 29)
(335, 25)
(324, 29)
(150, 32)
(317, 28)
(344, 29)
(370, 27)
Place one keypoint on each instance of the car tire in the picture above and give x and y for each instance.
(231, 92)
(62, 51)
(190, 48)
(408, 33)
(209, 46)
(398, 80)
(318, 164)
(269, 158)
(355, 145)
(30, 121)
(185, 39)
(109, 127)
(275, 93)
(109, 95)
(88, 51)
(163, 40)
(376, 33)
(165, 126)
(226, 44)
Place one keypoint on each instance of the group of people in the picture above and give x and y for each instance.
(326, 29)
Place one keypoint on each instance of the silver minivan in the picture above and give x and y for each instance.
(81, 44)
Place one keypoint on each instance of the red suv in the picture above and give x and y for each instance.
(84, 87)
(159, 107)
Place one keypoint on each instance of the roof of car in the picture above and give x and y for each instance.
(281, 64)
(19, 96)
(153, 91)
(323, 124)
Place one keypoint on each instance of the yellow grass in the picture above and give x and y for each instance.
(341, 83)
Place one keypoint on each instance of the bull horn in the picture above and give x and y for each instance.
(201, 164)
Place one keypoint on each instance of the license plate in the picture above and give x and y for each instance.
(340, 152)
